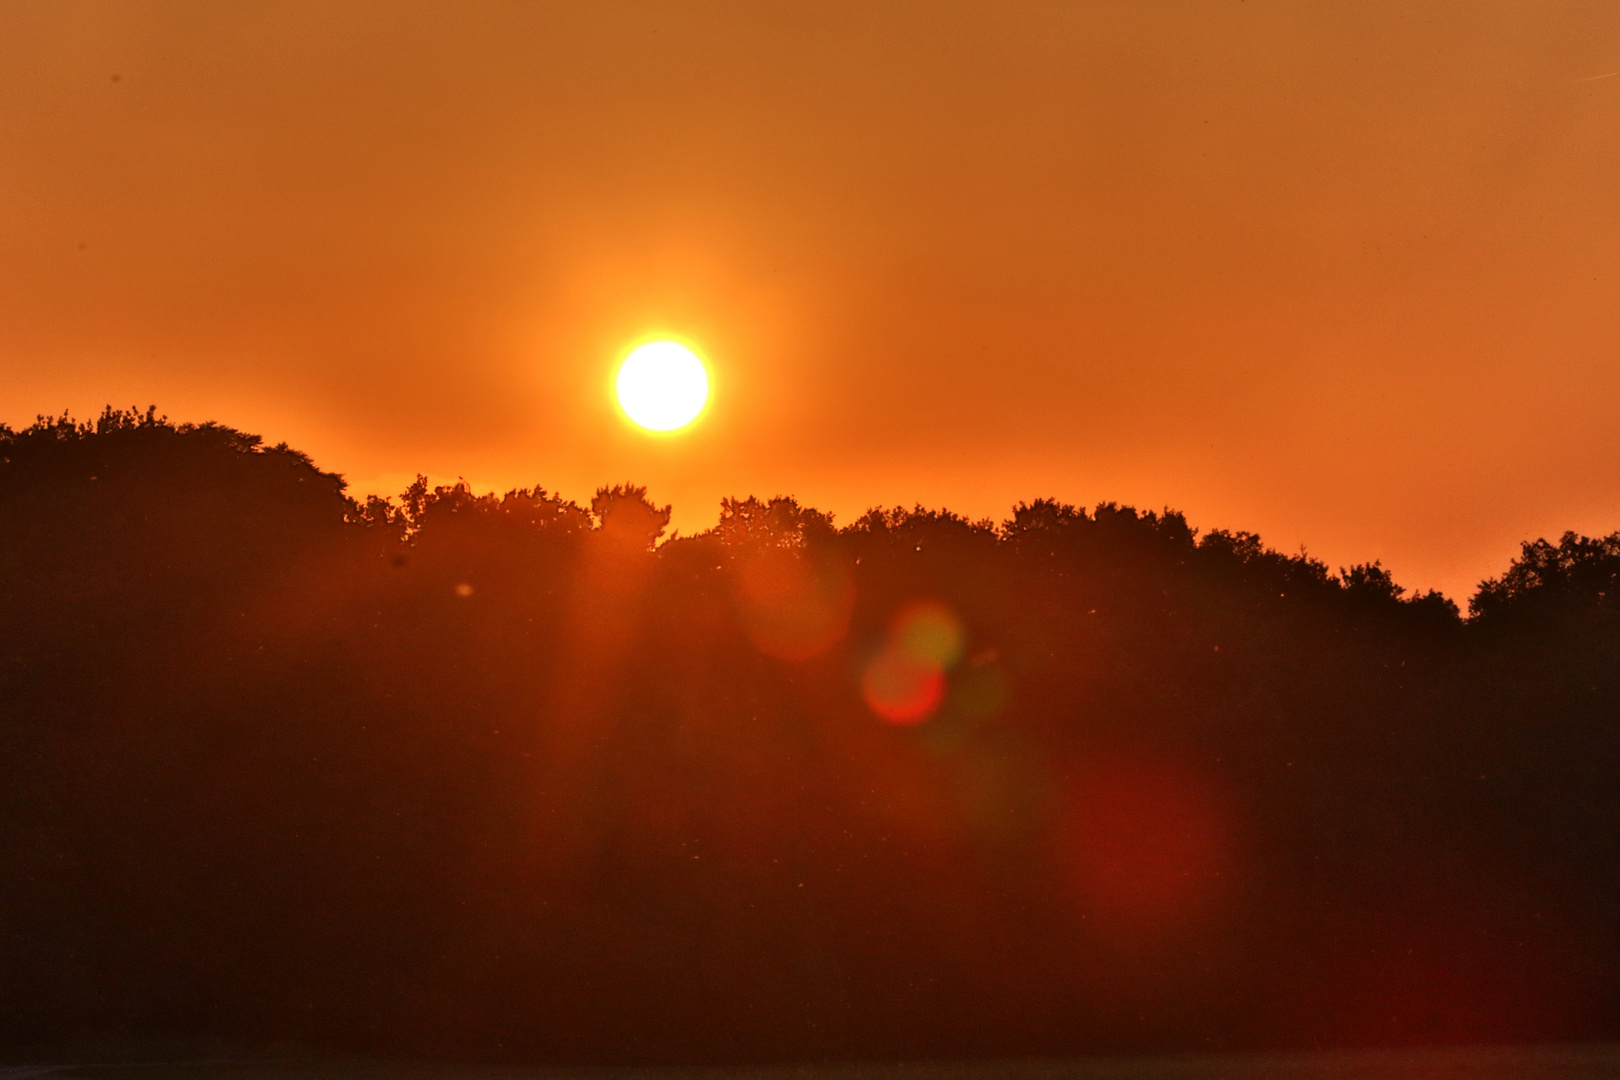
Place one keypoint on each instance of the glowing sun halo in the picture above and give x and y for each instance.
(662, 386)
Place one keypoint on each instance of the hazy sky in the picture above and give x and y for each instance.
(1341, 273)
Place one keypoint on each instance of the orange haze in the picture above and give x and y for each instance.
(1344, 274)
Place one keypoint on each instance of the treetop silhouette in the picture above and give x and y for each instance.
(505, 775)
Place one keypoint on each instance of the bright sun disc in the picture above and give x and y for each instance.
(662, 386)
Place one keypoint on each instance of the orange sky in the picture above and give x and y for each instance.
(1344, 274)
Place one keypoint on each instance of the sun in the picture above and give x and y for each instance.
(663, 386)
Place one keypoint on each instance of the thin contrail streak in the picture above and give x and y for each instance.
(1595, 78)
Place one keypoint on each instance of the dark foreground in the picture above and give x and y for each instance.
(1593, 1062)
(512, 779)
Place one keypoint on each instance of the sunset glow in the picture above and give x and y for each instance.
(1302, 298)
(995, 540)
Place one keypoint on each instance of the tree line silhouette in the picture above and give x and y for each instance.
(512, 777)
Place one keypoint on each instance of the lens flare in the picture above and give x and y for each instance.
(1151, 844)
(930, 633)
(901, 689)
(792, 607)
(905, 682)
(663, 386)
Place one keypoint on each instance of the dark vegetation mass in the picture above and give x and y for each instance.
(480, 776)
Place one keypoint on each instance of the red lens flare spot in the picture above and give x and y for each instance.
(905, 682)
(1150, 845)
(792, 608)
(900, 689)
